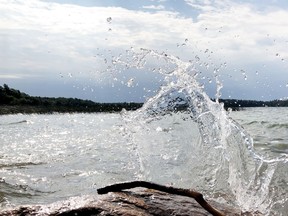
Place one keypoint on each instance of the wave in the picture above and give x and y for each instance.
(10, 192)
(19, 165)
(268, 124)
(223, 157)
(13, 123)
(278, 126)
(257, 122)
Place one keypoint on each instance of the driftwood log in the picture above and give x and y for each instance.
(172, 190)
(157, 200)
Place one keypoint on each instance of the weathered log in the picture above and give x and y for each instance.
(172, 190)
(127, 203)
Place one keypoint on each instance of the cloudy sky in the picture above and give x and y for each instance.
(85, 48)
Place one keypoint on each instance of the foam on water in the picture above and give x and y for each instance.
(217, 154)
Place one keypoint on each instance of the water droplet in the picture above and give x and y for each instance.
(257, 73)
(186, 40)
(197, 58)
(130, 82)
(277, 54)
(159, 129)
(216, 70)
(109, 19)
(70, 75)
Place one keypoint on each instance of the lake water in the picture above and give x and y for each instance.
(242, 162)
(46, 158)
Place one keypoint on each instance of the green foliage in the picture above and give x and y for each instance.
(24, 103)
(14, 101)
(233, 103)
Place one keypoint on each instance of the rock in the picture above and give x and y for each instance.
(127, 203)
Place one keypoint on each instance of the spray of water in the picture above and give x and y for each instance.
(215, 153)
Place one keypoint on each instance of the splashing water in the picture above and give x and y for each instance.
(217, 154)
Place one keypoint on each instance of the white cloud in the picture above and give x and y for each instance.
(43, 36)
(242, 30)
(159, 1)
(73, 22)
(207, 5)
(8, 76)
(51, 17)
(154, 7)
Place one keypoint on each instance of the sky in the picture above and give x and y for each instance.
(87, 48)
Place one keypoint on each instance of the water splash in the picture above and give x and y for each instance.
(214, 152)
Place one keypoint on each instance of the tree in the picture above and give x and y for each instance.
(6, 88)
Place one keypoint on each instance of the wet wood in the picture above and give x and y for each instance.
(135, 202)
(172, 190)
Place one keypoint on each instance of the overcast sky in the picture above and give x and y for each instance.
(72, 48)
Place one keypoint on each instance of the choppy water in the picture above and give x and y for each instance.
(267, 126)
(46, 158)
(51, 157)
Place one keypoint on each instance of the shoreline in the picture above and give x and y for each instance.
(26, 109)
(13, 101)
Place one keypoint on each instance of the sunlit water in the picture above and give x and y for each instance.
(46, 158)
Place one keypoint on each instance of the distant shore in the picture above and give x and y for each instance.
(26, 109)
(13, 101)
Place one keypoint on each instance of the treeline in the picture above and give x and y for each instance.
(14, 101)
(234, 104)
